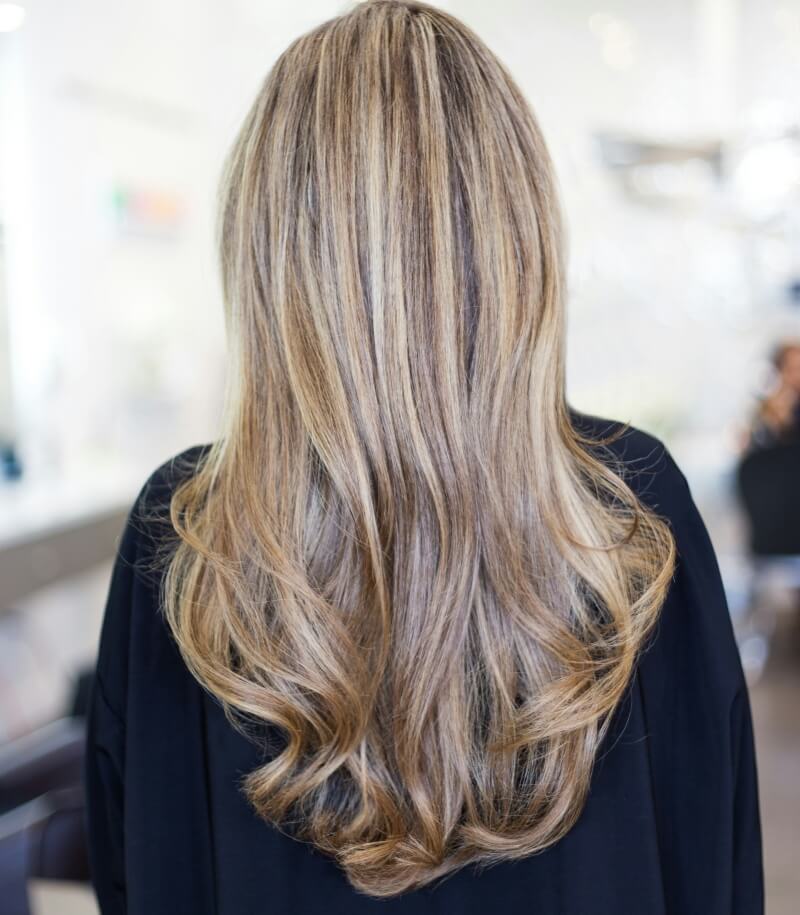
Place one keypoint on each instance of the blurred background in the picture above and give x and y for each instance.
(675, 128)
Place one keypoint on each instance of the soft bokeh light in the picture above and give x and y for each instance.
(12, 15)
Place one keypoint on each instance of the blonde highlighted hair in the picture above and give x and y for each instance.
(400, 553)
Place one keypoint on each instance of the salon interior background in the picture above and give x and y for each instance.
(675, 128)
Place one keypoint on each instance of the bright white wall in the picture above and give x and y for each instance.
(672, 309)
(117, 342)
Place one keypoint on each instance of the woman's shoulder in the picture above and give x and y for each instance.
(161, 483)
(130, 619)
(148, 534)
(150, 510)
(642, 459)
(695, 634)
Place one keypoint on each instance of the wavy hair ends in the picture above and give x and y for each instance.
(400, 554)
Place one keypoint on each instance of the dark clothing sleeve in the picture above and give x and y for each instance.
(748, 878)
(104, 772)
(745, 824)
(104, 798)
(701, 731)
(142, 728)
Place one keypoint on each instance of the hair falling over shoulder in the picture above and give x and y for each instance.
(400, 553)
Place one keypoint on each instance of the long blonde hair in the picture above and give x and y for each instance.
(401, 555)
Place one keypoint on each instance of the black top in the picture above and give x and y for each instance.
(671, 824)
(764, 435)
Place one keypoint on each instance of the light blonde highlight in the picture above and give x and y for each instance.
(401, 553)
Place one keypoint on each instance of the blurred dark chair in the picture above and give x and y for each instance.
(768, 481)
(768, 486)
(44, 760)
(42, 827)
(42, 839)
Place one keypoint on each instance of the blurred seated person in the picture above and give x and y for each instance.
(777, 417)
(768, 472)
